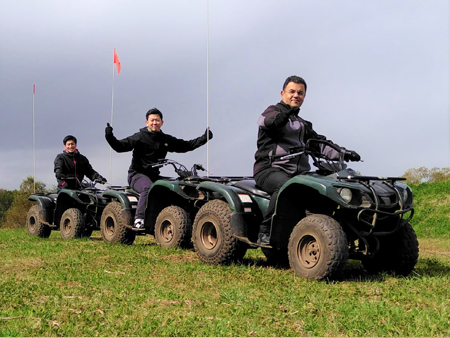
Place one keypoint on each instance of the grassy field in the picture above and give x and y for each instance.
(52, 287)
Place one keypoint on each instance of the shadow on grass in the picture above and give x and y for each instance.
(355, 272)
(431, 267)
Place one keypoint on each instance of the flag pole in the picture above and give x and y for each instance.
(112, 110)
(207, 87)
(34, 145)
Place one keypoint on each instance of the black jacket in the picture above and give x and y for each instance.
(70, 165)
(280, 131)
(149, 147)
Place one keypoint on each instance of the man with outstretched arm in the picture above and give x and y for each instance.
(282, 130)
(149, 145)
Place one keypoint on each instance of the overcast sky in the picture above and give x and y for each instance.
(377, 73)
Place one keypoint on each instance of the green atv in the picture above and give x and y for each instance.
(75, 213)
(172, 203)
(322, 219)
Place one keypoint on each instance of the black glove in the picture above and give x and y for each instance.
(210, 135)
(61, 177)
(108, 129)
(101, 180)
(351, 155)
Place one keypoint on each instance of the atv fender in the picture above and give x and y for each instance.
(171, 185)
(246, 216)
(320, 185)
(46, 204)
(298, 195)
(162, 194)
(120, 196)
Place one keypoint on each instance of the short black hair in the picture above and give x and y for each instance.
(154, 111)
(68, 138)
(295, 79)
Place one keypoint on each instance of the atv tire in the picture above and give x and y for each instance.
(35, 225)
(318, 248)
(398, 253)
(113, 224)
(72, 224)
(212, 236)
(173, 227)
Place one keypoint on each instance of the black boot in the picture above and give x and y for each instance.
(264, 234)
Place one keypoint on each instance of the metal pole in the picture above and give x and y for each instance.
(34, 146)
(112, 109)
(207, 86)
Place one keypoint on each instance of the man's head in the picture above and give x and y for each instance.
(70, 143)
(154, 119)
(294, 91)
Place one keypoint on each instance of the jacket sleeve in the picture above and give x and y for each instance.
(89, 171)
(58, 168)
(124, 145)
(326, 150)
(176, 145)
(275, 118)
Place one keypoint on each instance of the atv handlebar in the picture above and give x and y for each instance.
(315, 149)
(86, 184)
(179, 168)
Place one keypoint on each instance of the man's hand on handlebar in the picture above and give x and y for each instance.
(350, 155)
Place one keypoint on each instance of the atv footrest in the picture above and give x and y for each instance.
(136, 230)
(252, 244)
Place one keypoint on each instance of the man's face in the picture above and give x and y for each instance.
(154, 122)
(70, 146)
(294, 94)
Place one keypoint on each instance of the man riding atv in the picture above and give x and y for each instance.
(71, 166)
(281, 131)
(149, 145)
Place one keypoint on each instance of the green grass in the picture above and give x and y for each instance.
(52, 287)
(432, 209)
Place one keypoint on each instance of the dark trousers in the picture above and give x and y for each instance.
(141, 183)
(271, 181)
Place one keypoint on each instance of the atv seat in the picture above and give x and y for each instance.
(250, 186)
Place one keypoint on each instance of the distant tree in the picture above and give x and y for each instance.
(439, 174)
(16, 215)
(422, 174)
(6, 200)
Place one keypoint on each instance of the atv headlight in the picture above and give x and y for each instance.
(405, 195)
(346, 194)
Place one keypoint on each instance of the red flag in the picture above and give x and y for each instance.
(116, 61)
(34, 88)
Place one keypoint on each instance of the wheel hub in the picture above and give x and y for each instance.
(32, 223)
(67, 226)
(209, 235)
(109, 226)
(167, 231)
(308, 252)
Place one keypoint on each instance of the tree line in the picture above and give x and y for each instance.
(14, 204)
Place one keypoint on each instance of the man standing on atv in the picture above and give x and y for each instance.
(282, 131)
(71, 166)
(149, 145)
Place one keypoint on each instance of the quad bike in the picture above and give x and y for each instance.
(75, 213)
(170, 208)
(322, 219)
